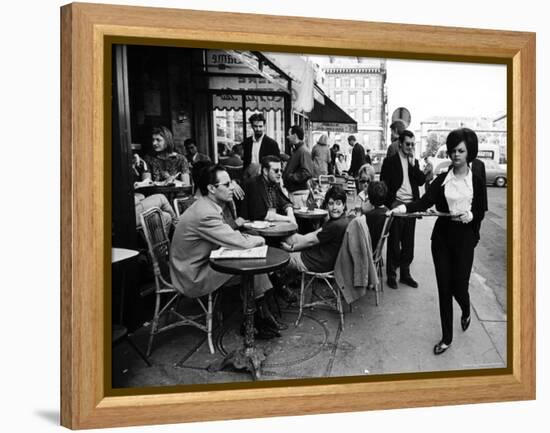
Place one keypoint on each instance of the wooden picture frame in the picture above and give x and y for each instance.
(85, 233)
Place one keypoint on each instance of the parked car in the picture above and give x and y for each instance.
(495, 174)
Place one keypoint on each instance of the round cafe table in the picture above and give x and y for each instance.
(169, 191)
(314, 217)
(274, 229)
(122, 256)
(249, 356)
(315, 214)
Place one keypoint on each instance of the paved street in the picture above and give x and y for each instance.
(490, 254)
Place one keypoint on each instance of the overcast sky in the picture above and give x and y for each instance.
(429, 89)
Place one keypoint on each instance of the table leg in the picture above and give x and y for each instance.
(248, 357)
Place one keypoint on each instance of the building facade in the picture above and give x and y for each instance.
(358, 86)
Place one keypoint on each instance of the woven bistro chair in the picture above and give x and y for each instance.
(331, 300)
(167, 296)
(181, 204)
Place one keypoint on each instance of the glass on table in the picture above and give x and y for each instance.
(271, 214)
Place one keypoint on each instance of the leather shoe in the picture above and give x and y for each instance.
(441, 347)
(392, 283)
(409, 281)
(286, 294)
(465, 322)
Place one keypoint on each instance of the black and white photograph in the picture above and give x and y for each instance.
(280, 216)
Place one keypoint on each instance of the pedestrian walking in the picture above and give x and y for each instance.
(462, 193)
(321, 156)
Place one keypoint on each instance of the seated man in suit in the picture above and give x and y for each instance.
(265, 200)
(263, 192)
(193, 154)
(201, 229)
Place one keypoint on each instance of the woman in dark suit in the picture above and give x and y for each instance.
(463, 194)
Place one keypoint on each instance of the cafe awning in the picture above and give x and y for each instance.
(330, 117)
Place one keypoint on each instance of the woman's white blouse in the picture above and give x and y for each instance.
(459, 193)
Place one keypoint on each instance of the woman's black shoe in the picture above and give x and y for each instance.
(465, 322)
(441, 347)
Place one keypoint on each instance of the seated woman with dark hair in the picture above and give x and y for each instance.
(165, 164)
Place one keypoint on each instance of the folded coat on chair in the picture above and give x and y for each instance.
(354, 269)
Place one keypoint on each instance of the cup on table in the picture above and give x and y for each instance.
(185, 178)
(271, 214)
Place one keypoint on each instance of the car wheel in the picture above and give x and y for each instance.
(500, 182)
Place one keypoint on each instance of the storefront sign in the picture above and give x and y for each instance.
(253, 102)
(334, 127)
(220, 61)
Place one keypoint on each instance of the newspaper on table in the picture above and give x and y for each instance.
(250, 253)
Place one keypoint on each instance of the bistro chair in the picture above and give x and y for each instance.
(181, 204)
(167, 296)
(235, 172)
(377, 256)
(326, 179)
(331, 298)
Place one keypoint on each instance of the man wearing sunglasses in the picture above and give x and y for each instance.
(402, 176)
(203, 228)
(264, 198)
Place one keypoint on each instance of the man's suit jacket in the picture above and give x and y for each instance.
(268, 147)
(255, 205)
(200, 230)
(357, 159)
(392, 175)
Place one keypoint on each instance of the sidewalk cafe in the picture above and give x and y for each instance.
(173, 95)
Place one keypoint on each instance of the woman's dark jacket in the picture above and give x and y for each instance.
(436, 195)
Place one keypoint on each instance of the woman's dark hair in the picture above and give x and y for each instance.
(298, 130)
(208, 176)
(377, 192)
(165, 133)
(335, 192)
(465, 135)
